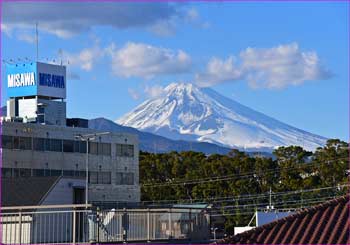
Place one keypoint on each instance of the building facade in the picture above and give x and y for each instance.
(49, 150)
(36, 140)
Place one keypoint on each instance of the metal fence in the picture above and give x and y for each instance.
(83, 224)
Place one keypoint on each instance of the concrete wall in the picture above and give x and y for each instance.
(76, 161)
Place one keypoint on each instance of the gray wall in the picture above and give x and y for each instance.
(76, 161)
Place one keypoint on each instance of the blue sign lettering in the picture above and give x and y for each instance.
(51, 80)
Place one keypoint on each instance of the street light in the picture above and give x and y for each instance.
(88, 138)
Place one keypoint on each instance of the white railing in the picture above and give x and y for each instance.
(73, 224)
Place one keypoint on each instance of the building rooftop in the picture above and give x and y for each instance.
(26, 191)
(327, 223)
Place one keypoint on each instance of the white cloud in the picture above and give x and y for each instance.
(146, 61)
(26, 36)
(66, 19)
(274, 68)
(134, 94)
(86, 58)
(218, 71)
(192, 14)
(154, 91)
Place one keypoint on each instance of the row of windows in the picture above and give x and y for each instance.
(95, 177)
(44, 144)
(28, 172)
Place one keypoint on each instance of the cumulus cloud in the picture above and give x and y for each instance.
(274, 68)
(154, 91)
(146, 61)
(86, 58)
(218, 71)
(134, 94)
(26, 36)
(66, 19)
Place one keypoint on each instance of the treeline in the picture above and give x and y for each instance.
(239, 180)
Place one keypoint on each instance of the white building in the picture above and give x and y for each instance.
(36, 141)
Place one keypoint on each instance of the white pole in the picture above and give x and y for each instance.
(87, 172)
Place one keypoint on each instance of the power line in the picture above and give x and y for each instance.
(247, 196)
(233, 176)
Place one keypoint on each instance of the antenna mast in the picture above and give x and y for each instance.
(37, 41)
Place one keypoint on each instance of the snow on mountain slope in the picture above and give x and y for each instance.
(200, 114)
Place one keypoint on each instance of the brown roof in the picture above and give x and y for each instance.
(327, 223)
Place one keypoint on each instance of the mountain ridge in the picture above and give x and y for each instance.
(186, 112)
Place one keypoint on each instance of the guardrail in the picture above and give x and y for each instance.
(75, 224)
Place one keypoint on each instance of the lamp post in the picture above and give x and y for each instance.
(87, 138)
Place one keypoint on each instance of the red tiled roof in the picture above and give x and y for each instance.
(327, 223)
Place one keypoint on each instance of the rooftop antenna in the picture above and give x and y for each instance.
(60, 53)
(37, 41)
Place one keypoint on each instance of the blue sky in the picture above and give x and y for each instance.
(287, 60)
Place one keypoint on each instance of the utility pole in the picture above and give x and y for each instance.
(87, 138)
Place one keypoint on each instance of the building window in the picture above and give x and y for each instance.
(124, 178)
(38, 172)
(16, 142)
(7, 142)
(39, 144)
(68, 146)
(100, 177)
(93, 148)
(25, 143)
(93, 178)
(25, 172)
(82, 147)
(124, 150)
(105, 149)
(55, 172)
(55, 145)
(6, 172)
(69, 173)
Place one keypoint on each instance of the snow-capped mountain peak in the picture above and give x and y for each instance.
(187, 112)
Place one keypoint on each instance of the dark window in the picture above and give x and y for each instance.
(38, 172)
(25, 143)
(82, 147)
(25, 172)
(76, 146)
(41, 118)
(125, 178)
(39, 144)
(93, 177)
(81, 173)
(104, 177)
(56, 172)
(130, 150)
(15, 172)
(7, 141)
(16, 142)
(47, 172)
(125, 150)
(68, 145)
(106, 149)
(119, 179)
(129, 178)
(119, 150)
(6, 172)
(93, 148)
(55, 145)
(68, 173)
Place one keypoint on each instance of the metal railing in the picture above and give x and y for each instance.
(85, 224)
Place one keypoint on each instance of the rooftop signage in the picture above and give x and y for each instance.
(36, 79)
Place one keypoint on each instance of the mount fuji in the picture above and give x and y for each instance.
(187, 112)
